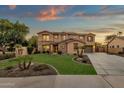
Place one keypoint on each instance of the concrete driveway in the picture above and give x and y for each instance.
(106, 64)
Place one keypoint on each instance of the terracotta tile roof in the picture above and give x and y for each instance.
(71, 39)
(69, 33)
(43, 32)
(65, 41)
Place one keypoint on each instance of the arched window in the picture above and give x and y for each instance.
(89, 38)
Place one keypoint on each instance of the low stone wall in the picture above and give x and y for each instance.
(7, 56)
(21, 51)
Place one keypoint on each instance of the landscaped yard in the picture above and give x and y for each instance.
(63, 63)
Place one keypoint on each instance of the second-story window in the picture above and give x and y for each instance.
(81, 37)
(46, 37)
(55, 36)
(63, 37)
(89, 38)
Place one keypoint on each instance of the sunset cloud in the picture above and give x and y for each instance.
(121, 26)
(52, 13)
(102, 30)
(82, 14)
(12, 7)
(104, 12)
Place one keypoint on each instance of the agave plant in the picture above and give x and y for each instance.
(80, 53)
(25, 63)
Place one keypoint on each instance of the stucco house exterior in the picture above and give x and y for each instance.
(66, 42)
(116, 45)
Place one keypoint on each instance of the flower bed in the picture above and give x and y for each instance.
(83, 59)
(34, 70)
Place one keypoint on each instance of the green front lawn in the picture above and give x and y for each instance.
(63, 63)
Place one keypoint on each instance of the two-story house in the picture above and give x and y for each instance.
(65, 41)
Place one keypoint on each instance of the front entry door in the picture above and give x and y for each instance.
(55, 48)
(46, 47)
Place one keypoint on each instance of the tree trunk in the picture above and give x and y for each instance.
(78, 52)
(81, 54)
(34, 50)
(107, 48)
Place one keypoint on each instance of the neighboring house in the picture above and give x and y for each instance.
(65, 42)
(116, 45)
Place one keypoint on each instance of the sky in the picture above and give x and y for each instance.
(98, 19)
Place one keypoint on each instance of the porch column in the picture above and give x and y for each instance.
(93, 48)
(66, 46)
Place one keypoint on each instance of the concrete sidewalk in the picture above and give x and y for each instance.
(63, 81)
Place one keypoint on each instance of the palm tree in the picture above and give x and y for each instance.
(77, 49)
(119, 33)
(80, 53)
(82, 50)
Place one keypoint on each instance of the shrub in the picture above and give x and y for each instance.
(37, 52)
(30, 49)
(11, 49)
(75, 54)
(43, 52)
(80, 56)
(40, 67)
(9, 68)
(120, 52)
(47, 52)
(60, 52)
(7, 56)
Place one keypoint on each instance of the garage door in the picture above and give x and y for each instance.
(88, 49)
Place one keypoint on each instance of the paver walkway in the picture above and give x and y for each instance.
(106, 64)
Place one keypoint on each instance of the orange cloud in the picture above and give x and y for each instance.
(52, 13)
(12, 7)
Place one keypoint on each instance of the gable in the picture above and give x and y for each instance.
(44, 32)
(71, 40)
